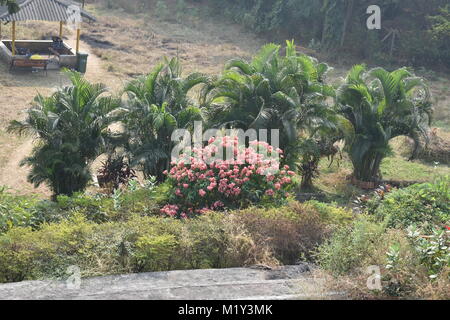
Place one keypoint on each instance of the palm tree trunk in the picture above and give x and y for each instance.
(348, 16)
(309, 170)
(307, 183)
(369, 170)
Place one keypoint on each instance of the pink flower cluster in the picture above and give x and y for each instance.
(170, 209)
(203, 180)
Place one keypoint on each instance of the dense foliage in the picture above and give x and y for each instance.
(424, 206)
(406, 235)
(252, 176)
(28, 211)
(404, 232)
(156, 105)
(340, 26)
(72, 128)
(382, 105)
(412, 263)
(140, 244)
(413, 33)
(287, 93)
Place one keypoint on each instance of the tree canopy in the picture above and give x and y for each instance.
(340, 25)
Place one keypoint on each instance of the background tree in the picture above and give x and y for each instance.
(339, 26)
(382, 105)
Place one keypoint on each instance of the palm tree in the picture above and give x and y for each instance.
(382, 105)
(156, 105)
(312, 129)
(238, 101)
(71, 127)
(288, 93)
(61, 167)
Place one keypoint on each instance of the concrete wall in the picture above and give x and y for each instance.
(68, 60)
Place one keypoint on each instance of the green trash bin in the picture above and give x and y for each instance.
(82, 62)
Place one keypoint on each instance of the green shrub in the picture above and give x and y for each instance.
(332, 213)
(15, 210)
(16, 260)
(433, 251)
(153, 243)
(350, 246)
(156, 252)
(27, 211)
(95, 208)
(25, 254)
(424, 205)
(412, 264)
(144, 200)
(141, 244)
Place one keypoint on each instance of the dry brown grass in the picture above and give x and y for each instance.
(291, 233)
(130, 44)
(354, 286)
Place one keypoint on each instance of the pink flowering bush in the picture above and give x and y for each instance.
(202, 181)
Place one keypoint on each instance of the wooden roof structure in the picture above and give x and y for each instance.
(44, 10)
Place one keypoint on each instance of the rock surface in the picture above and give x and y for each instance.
(289, 282)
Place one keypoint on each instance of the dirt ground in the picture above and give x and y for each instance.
(122, 46)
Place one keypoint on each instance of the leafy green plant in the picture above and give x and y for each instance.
(382, 105)
(72, 131)
(156, 105)
(332, 213)
(287, 93)
(350, 246)
(200, 185)
(424, 206)
(156, 252)
(30, 211)
(433, 251)
(413, 262)
(15, 210)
